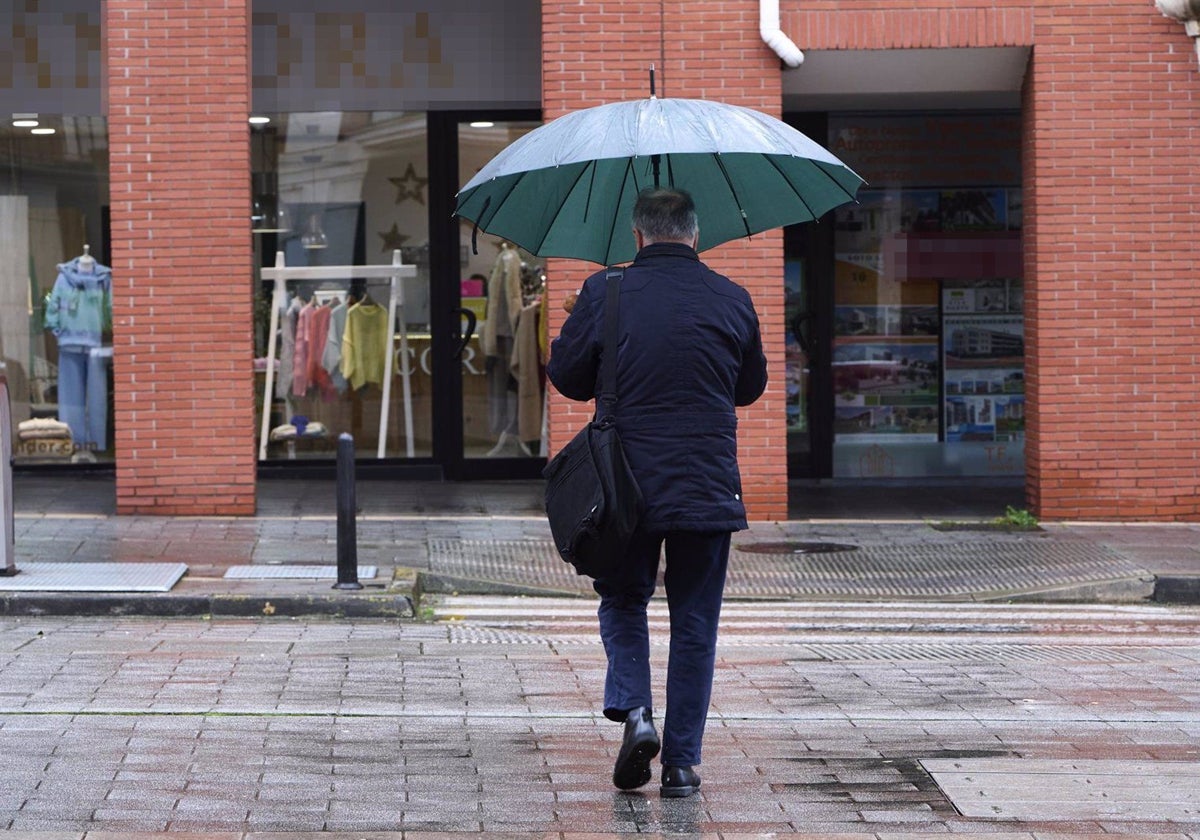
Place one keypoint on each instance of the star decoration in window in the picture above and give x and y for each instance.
(392, 239)
(410, 186)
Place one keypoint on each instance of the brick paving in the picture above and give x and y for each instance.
(484, 719)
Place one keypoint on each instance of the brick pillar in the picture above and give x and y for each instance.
(178, 99)
(1112, 103)
(703, 50)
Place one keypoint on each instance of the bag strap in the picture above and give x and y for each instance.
(606, 404)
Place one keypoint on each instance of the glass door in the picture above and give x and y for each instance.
(501, 291)
(490, 400)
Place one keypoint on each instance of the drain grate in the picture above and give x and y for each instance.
(957, 570)
(268, 571)
(795, 547)
(94, 577)
(915, 652)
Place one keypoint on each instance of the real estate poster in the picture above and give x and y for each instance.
(886, 389)
(983, 363)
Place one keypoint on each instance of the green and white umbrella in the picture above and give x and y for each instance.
(567, 189)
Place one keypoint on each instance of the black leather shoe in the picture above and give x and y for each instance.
(640, 744)
(679, 782)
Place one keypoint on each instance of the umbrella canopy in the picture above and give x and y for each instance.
(567, 189)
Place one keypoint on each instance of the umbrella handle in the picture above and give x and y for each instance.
(475, 230)
(465, 338)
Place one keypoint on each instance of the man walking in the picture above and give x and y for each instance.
(689, 352)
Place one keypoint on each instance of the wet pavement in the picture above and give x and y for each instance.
(897, 720)
(841, 542)
(919, 681)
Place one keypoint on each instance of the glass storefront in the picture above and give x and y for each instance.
(343, 190)
(339, 190)
(348, 172)
(926, 362)
(55, 286)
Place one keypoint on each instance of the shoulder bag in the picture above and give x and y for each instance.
(592, 499)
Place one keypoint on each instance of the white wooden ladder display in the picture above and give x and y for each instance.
(282, 273)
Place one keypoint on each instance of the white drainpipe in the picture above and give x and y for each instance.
(1186, 12)
(769, 28)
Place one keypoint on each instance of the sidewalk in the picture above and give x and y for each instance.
(871, 543)
(875, 721)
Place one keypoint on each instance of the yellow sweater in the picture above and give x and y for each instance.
(365, 344)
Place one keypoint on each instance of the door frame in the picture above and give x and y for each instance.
(445, 299)
(816, 241)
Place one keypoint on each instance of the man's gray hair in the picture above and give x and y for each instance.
(665, 214)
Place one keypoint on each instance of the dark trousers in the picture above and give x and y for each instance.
(695, 580)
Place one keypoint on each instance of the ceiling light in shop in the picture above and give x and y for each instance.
(314, 238)
(257, 120)
(41, 131)
(24, 120)
(483, 124)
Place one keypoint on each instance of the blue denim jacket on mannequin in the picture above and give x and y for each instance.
(79, 307)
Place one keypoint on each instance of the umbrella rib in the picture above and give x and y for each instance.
(587, 205)
(591, 165)
(846, 192)
(733, 192)
(612, 229)
(787, 180)
(484, 224)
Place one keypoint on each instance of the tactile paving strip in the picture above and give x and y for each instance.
(967, 652)
(800, 651)
(94, 577)
(266, 571)
(957, 570)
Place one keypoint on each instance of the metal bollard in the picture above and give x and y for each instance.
(8, 564)
(347, 539)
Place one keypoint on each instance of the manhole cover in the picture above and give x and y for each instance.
(796, 547)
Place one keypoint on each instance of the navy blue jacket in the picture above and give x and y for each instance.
(689, 351)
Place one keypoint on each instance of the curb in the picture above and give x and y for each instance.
(1177, 589)
(432, 583)
(394, 606)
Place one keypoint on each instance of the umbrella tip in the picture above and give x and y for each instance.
(652, 96)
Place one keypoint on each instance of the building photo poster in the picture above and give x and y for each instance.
(983, 364)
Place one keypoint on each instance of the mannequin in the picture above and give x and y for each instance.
(526, 365)
(503, 310)
(79, 313)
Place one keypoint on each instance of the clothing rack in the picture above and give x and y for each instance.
(282, 273)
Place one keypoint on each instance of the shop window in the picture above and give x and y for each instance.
(55, 287)
(55, 312)
(928, 346)
(342, 189)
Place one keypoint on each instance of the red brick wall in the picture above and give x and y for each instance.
(905, 24)
(1112, 120)
(601, 52)
(178, 99)
(1112, 210)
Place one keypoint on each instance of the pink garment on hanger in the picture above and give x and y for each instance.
(318, 335)
(300, 359)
